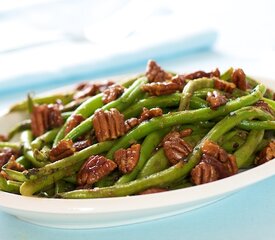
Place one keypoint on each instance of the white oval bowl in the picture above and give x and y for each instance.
(107, 212)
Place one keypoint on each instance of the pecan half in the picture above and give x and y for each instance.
(74, 121)
(224, 86)
(267, 154)
(108, 124)
(215, 164)
(63, 149)
(216, 99)
(153, 190)
(150, 113)
(80, 145)
(45, 117)
(95, 168)
(201, 74)
(112, 93)
(127, 159)
(175, 148)
(155, 73)
(239, 78)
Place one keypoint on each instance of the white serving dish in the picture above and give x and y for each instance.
(95, 213)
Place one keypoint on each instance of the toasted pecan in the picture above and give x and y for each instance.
(155, 73)
(127, 159)
(175, 148)
(63, 149)
(201, 74)
(160, 88)
(239, 79)
(112, 93)
(267, 154)
(216, 99)
(74, 121)
(108, 124)
(224, 86)
(45, 117)
(215, 164)
(95, 168)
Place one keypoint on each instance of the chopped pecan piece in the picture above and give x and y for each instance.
(150, 113)
(3, 138)
(216, 99)
(155, 73)
(153, 190)
(131, 123)
(267, 154)
(45, 117)
(5, 155)
(75, 120)
(215, 164)
(264, 106)
(239, 78)
(224, 86)
(80, 145)
(112, 93)
(85, 90)
(161, 88)
(13, 165)
(95, 168)
(175, 148)
(108, 124)
(127, 159)
(186, 132)
(63, 149)
(145, 115)
(201, 74)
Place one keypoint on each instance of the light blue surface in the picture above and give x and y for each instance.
(248, 214)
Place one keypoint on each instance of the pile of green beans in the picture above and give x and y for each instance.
(238, 126)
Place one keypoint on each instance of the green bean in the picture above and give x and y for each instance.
(176, 172)
(80, 156)
(162, 102)
(159, 161)
(15, 175)
(12, 145)
(248, 148)
(130, 95)
(26, 138)
(85, 109)
(270, 102)
(46, 138)
(63, 186)
(42, 155)
(22, 106)
(190, 88)
(31, 187)
(184, 117)
(257, 125)
(148, 146)
(226, 76)
(9, 185)
(108, 180)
